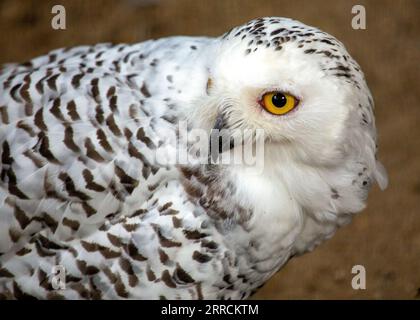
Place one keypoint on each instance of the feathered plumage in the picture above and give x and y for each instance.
(82, 132)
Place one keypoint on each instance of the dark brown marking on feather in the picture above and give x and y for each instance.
(341, 68)
(73, 251)
(80, 289)
(44, 148)
(107, 253)
(145, 91)
(192, 190)
(29, 109)
(116, 66)
(8, 171)
(8, 82)
(165, 206)
(116, 193)
(89, 210)
(70, 187)
(48, 244)
(90, 183)
(334, 193)
(56, 111)
(89, 246)
(153, 187)
(150, 274)
(130, 227)
(49, 221)
(128, 134)
(133, 252)
(133, 152)
(5, 273)
(21, 217)
(5, 155)
(176, 222)
(120, 288)
(128, 182)
(72, 224)
(138, 212)
(43, 280)
(24, 91)
(100, 134)
(95, 89)
(167, 243)
(133, 280)
(194, 234)
(91, 151)
(169, 212)
(110, 92)
(167, 279)
(91, 270)
(23, 251)
(68, 140)
(72, 110)
(209, 244)
(26, 127)
(126, 266)
(13, 188)
(51, 82)
(110, 122)
(200, 257)
(115, 240)
(141, 135)
(75, 81)
(346, 75)
(95, 293)
(39, 120)
(181, 276)
(113, 104)
(13, 92)
(50, 191)
(4, 115)
(112, 277)
(99, 114)
(199, 291)
(42, 251)
(164, 258)
(39, 86)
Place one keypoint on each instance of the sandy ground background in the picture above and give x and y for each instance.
(385, 238)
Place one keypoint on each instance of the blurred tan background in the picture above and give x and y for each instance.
(385, 238)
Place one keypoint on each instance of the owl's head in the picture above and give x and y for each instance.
(300, 86)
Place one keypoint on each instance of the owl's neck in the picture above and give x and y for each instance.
(254, 212)
(264, 215)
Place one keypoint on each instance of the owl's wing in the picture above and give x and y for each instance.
(77, 141)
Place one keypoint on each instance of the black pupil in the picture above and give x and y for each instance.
(279, 100)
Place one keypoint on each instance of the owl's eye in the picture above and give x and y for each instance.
(278, 103)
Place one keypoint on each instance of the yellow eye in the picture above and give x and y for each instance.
(278, 103)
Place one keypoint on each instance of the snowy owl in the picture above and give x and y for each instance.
(88, 212)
